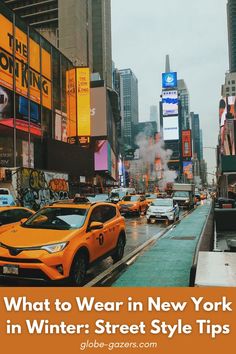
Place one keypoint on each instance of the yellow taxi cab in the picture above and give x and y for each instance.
(133, 204)
(62, 241)
(10, 216)
(203, 195)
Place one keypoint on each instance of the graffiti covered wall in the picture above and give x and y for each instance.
(36, 188)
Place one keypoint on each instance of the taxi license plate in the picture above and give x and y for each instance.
(10, 269)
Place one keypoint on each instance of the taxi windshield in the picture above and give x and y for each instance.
(131, 198)
(57, 219)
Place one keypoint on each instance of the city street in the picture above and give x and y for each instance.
(137, 232)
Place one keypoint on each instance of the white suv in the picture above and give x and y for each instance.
(163, 210)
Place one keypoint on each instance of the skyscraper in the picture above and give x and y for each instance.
(231, 11)
(184, 101)
(101, 32)
(154, 115)
(81, 29)
(196, 135)
(129, 104)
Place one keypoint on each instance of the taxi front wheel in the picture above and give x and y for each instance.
(78, 269)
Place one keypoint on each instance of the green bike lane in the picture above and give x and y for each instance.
(168, 262)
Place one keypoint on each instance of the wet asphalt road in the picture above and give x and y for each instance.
(137, 233)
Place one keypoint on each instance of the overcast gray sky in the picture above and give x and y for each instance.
(194, 34)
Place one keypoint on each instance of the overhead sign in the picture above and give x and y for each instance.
(169, 80)
(171, 128)
(170, 102)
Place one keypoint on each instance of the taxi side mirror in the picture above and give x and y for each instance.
(23, 221)
(95, 225)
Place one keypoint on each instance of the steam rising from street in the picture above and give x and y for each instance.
(154, 158)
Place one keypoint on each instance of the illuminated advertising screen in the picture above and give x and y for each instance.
(71, 102)
(171, 128)
(104, 158)
(169, 80)
(22, 113)
(188, 169)
(227, 108)
(83, 102)
(170, 102)
(186, 143)
(27, 79)
(101, 155)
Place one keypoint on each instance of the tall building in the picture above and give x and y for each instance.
(101, 32)
(154, 115)
(229, 87)
(129, 104)
(81, 29)
(170, 124)
(201, 145)
(195, 126)
(75, 31)
(184, 103)
(231, 11)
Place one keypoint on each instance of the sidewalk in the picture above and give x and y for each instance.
(169, 261)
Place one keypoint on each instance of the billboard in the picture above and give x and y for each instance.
(169, 80)
(171, 128)
(101, 155)
(227, 109)
(98, 111)
(186, 143)
(188, 169)
(170, 102)
(83, 102)
(22, 109)
(27, 79)
(104, 158)
(71, 102)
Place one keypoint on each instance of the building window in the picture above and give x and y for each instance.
(227, 89)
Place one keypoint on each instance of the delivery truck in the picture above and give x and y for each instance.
(183, 194)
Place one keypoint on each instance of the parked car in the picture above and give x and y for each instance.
(118, 193)
(62, 241)
(133, 204)
(163, 210)
(11, 216)
(6, 199)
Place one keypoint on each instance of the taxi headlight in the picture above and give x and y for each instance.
(55, 247)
